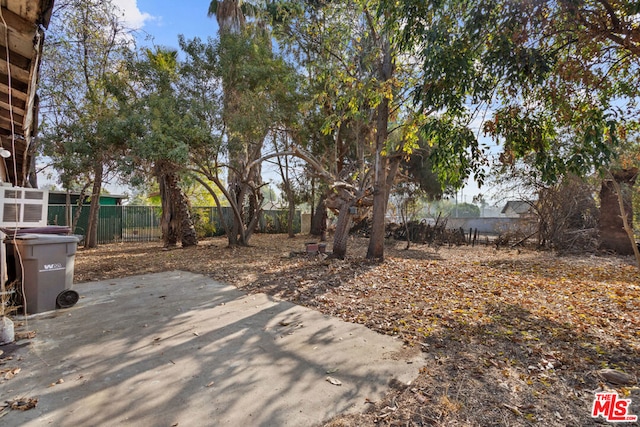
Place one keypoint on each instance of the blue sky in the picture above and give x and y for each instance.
(164, 20)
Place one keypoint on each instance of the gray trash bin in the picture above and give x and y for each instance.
(48, 262)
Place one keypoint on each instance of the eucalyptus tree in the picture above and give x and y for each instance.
(230, 138)
(336, 54)
(364, 127)
(82, 129)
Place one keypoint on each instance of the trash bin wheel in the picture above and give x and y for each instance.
(67, 298)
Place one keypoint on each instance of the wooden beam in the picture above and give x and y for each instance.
(18, 43)
(15, 101)
(15, 93)
(16, 110)
(14, 19)
(6, 124)
(18, 118)
(15, 57)
(18, 73)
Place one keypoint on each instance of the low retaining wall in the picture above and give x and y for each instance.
(492, 226)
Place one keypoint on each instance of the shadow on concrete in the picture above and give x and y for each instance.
(180, 349)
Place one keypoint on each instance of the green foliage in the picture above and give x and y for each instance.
(260, 87)
(205, 228)
(419, 169)
(159, 108)
(453, 209)
(562, 77)
(82, 126)
(465, 210)
(455, 151)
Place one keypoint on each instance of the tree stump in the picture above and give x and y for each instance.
(613, 237)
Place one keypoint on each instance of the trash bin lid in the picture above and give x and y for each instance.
(49, 229)
(41, 239)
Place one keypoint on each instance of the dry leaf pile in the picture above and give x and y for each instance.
(509, 337)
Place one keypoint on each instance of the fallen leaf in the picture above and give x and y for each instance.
(23, 404)
(11, 373)
(334, 381)
(455, 302)
(513, 409)
(27, 335)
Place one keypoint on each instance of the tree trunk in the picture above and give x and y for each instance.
(188, 235)
(380, 194)
(404, 215)
(230, 227)
(255, 199)
(245, 190)
(612, 232)
(319, 218)
(32, 177)
(291, 216)
(169, 220)
(342, 231)
(73, 223)
(627, 221)
(376, 240)
(177, 222)
(91, 238)
(288, 191)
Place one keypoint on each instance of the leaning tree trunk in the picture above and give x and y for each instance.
(342, 231)
(627, 222)
(612, 231)
(91, 238)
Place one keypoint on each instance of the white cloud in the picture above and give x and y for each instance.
(133, 18)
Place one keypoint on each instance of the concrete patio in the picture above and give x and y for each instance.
(179, 349)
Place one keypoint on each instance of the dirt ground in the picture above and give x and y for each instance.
(511, 337)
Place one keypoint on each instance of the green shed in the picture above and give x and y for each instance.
(110, 214)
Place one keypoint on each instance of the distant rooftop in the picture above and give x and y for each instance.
(517, 206)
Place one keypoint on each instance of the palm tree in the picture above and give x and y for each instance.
(244, 185)
(230, 15)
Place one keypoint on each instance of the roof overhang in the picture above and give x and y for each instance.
(22, 25)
